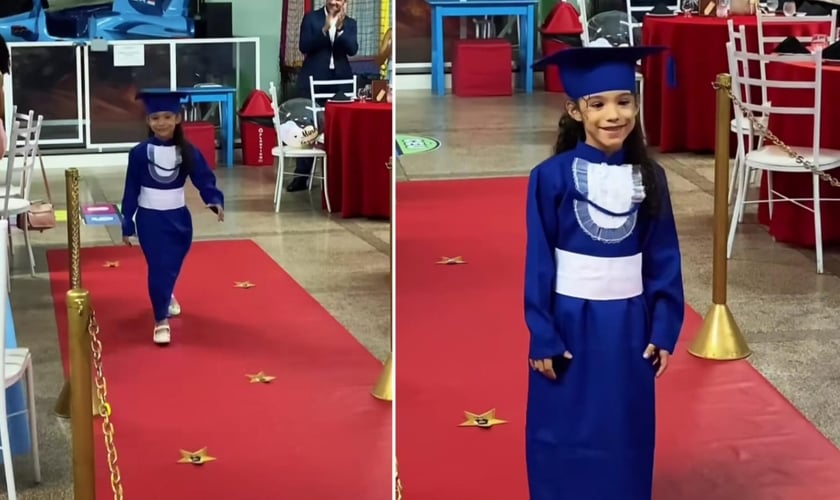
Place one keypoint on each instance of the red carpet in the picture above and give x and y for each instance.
(313, 433)
(724, 432)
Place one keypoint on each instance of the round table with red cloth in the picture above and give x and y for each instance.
(683, 118)
(359, 142)
(790, 223)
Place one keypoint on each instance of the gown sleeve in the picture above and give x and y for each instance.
(662, 274)
(131, 191)
(204, 180)
(540, 272)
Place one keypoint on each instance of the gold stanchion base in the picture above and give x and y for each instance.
(384, 387)
(62, 404)
(719, 337)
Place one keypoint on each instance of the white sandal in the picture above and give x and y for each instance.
(162, 334)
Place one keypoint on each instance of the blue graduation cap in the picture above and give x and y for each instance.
(595, 69)
(161, 101)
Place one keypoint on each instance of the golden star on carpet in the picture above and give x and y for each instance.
(244, 284)
(260, 378)
(449, 261)
(111, 263)
(199, 457)
(485, 420)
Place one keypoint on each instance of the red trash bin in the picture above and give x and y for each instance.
(560, 30)
(257, 130)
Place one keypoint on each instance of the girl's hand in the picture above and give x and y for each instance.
(220, 212)
(546, 366)
(127, 241)
(659, 357)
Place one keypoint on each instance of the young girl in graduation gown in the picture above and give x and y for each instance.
(603, 289)
(158, 169)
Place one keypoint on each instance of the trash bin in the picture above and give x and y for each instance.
(257, 130)
(560, 30)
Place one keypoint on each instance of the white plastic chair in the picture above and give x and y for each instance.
(763, 20)
(316, 108)
(16, 365)
(24, 121)
(770, 158)
(631, 9)
(771, 41)
(14, 200)
(194, 112)
(281, 153)
(740, 126)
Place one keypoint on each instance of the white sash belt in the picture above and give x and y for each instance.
(598, 278)
(161, 199)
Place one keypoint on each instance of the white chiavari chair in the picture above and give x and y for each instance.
(282, 152)
(770, 158)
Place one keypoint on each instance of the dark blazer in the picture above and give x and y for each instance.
(316, 48)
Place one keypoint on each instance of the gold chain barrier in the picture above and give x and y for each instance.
(719, 337)
(84, 346)
(105, 408)
(765, 132)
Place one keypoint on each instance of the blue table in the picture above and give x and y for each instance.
(16, 398)
(524, 9)
(225, 96)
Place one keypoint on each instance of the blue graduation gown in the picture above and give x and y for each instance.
(590, 434)
(165, 232)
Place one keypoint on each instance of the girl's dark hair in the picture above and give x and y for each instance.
(184, 145)
(5, 57)
(635, 152)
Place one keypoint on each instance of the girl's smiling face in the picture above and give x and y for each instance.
(163, 124)
(608, 118)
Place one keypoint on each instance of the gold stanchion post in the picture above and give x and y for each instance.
(384, 387)
(71, 189)
(78, 391)
(62, 402)
(81, 418)
(719, 337)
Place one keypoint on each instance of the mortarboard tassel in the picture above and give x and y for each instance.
(671, 71)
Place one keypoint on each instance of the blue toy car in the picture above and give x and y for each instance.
(117, 20)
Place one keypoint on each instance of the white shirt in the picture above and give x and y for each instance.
(332, 33)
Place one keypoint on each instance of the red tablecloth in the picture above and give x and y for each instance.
(359, 142)
(793, 224)
(683, 118)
